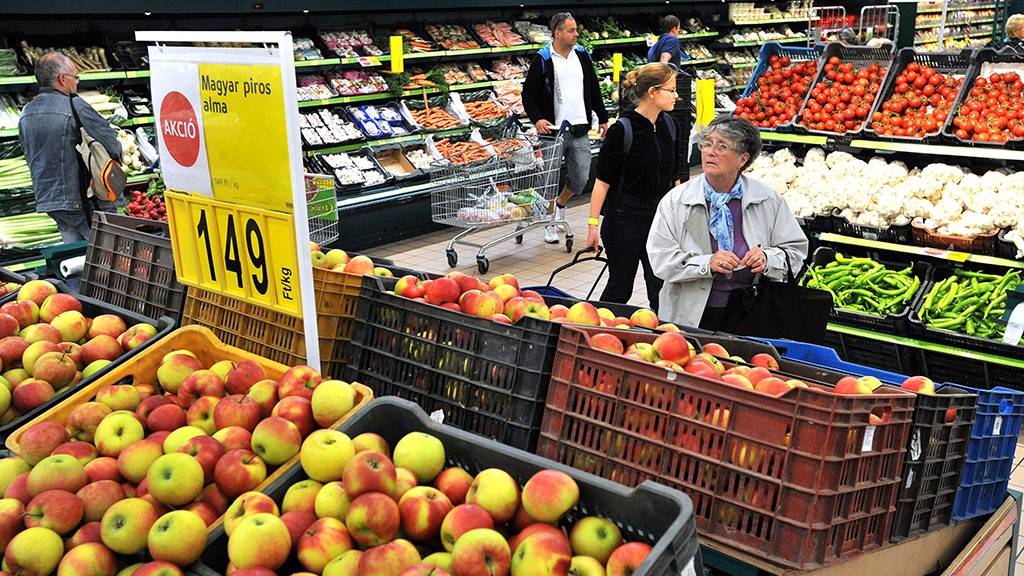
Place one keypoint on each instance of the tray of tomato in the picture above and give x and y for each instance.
(844, 90)
(778, 85)
(917, 99)
(990, 108)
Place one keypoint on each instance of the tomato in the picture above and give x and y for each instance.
(785, 60)
(980, 82)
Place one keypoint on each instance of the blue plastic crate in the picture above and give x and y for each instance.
(825, 357)
(990, 452)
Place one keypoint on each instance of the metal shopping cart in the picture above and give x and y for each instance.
(511, 180)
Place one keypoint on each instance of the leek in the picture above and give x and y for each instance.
(28, 231)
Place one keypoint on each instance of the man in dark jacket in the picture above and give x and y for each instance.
(561, 86)
(666, 49)
(49, 133)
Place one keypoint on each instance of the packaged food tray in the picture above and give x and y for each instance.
(208, 349)
(129, 263)
(895, 234)
(804, 479)
(649, 513)
(947, 63)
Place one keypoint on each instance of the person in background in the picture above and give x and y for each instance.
(49, 133)
(1015, 32)
(562, 86)
(666, 49)
(848, 37)
(629, 185)
(713, 236)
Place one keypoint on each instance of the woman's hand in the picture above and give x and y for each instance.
(593, 238)
(755, 259)
(724, 262)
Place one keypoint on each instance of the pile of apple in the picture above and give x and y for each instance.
(136, 471)
(365, 510)
(339, 261)
(8, 287)
(503, 301)
(47, 344)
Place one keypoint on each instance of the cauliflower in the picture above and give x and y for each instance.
(848, 214)
(888, 203)
(786, 172)
(970, 224)
(982, 201)
(897, 173)
(776, 183)
(859, 201)
(871, 218)
(946, 211)
(913, 186)
(931, 188)
(970, 184)
(1004, 215)
(814, 156)
(1013, 185)
(942, 173)
(761, 163)
(991, 180)
(835, 158)
(784, 156)
(914, 207)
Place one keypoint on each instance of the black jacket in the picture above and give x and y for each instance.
(647, 172)
(538, 89)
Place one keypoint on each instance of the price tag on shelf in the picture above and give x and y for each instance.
(616, 66)
(397, 60)
(651, 40)
(249, 253)
(368, 61)
(957, 256)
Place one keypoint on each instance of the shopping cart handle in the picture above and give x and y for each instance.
(578, 258)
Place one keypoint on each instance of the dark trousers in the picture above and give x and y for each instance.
(624, 238)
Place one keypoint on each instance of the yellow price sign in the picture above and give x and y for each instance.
(616, 66)
(238, 251)
(957, 256)
(397, 55)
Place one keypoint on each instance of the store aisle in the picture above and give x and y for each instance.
(531, 262)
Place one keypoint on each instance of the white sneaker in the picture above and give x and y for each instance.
(550, 236)
(559, 215)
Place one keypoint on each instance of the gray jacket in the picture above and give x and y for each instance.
(49, 134)
(679, 244)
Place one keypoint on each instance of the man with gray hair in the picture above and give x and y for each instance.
(561, 86)
(49, 131)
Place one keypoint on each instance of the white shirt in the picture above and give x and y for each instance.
(568, 89)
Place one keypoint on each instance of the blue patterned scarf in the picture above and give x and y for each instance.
(721, 216)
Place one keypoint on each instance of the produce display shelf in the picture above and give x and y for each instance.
(141, 120)
(795, 138)
(8, 132)
(744, 65)
(767, 21)
(615, 41)
(316, 63)
(927, 346)
(956, 9)
(978, 34)
(921, 251)
(137, 74)
(361, 144)
(698, 35)
(793, 40)
(954, 23)
(940, 150)
(405, 94)
(698, 61)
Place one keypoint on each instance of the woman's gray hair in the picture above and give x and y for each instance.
(745, 136)
(50, 66)
(1014, 24)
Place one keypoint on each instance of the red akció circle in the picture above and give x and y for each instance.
(180, 128)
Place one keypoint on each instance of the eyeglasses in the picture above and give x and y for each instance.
(719, 147)
(672, 90)
(558, 18)
(75, 76)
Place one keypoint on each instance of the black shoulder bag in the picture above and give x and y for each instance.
(782, 310)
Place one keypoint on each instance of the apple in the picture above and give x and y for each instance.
(674, 347)
(409, 286)
(318, 259)
(582, 313)
(176, 366)
(125, 525)
(12, 521)
(212, 496)
(18, 489)
(325, 539)
(119, 397)
(495, 491)
(12, 349)
(344, 565)
(73, 351)
(641, 351)
(169, 417)
(39, 439)
(177, 438)
(535, 528)
(56, 472)
(851, 385)
(481, 303)
(368, 472)
(243, 375)
(481, 552)
(234, 438)
(506, 292)
(135, 335)
(239, 471)
(737, 380)
(259, 540)
(371, 441)
(336, 256)
(299, 411)
(110, 325)
(9, 325)
(30, 394)
(178, 537)
(94, 367)
(764, 360)
(405, 480)
(207, 451)
(236, 410)
(175, 479)
(462, 519)
(441, 290)
(529, 307)
(246, 505)
(549, 494)
(390, 558)
(325, 455)
(423, 509)
(264, 393)
(373, 519)
(26, 312)
(35, 551)
(200, 414)
(422, 453)
(154, 568)
(332, 501)
(919, 384)
(757, 374)
(360, 265)
(150, 403)
(382, 271)
(607, 342)
(297, 522)
(773, 385)
(99, 496)
(298, 381)
(596, 537)
(541, 553)
(116, 431)
(36, 290)
(135, 460)
(103, 468)
(500, 318)
(301, 496)
(424, 569)
(331, 400)
(276, 440)
(58, 510)
(626, 559)
(71, 324)
(36, 349)
(198, 384)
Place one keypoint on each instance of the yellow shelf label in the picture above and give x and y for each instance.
(616, 66)
(238, 251)
(397, 56)
(958, 256)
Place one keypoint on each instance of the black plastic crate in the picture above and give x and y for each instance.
(967, 369)
(981, 57)
(895, 324)
(818, 223)
(91, 308)
(936, 450)
(650, 513)
(795, 54)
(900, 234)
(919, 329)
(860, 56)
(129, 263)
(945, 63)
(1005, 248)
(888, 356)
(486, 377)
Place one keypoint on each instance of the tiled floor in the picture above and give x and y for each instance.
(531, 262)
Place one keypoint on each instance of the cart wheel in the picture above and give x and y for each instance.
(568, 243)
(453, 258)
(519, 239)
(482, 264)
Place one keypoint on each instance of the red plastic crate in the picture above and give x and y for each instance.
(803, 479)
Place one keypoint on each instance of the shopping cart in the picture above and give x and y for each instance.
(512, 180)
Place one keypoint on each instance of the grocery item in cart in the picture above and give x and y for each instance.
(313, 87)
(498, 34)
(452, 37)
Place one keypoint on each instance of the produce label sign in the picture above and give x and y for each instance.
(235, 250)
